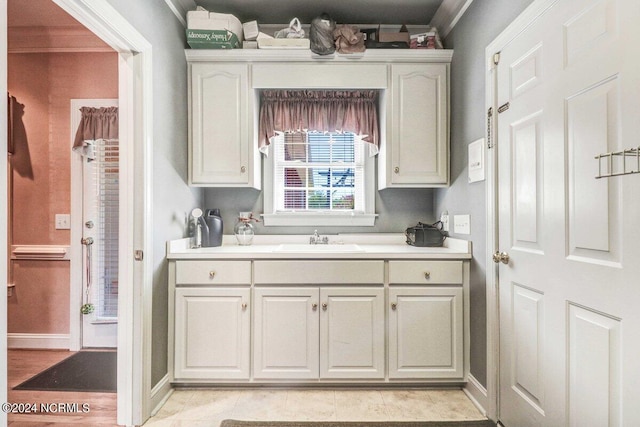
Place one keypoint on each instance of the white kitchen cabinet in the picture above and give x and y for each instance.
(212, 333)
(222, 151)
(426, 332)
(311, 333)
(393, 314)
(286, 333)
(352, 332)
(224, 104)
(417, 128)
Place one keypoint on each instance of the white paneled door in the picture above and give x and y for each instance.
(569, 271)
(98, 195)
(100, 240)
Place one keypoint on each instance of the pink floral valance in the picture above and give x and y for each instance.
(320, 110)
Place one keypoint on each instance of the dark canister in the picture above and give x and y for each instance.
(214, 222)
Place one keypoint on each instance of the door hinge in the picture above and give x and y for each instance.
(496, 58)
(489, 135)
(504, 107)
(138, 255)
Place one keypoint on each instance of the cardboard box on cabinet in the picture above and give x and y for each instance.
(210, 30)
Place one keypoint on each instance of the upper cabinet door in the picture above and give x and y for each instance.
(417, 152)
(221, 136)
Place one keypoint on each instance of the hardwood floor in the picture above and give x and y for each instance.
(23, 364)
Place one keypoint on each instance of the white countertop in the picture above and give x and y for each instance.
(341, 246)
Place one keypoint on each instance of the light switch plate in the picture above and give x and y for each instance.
(462, 224)
(476, 161)
(63, 221)
(444, 218)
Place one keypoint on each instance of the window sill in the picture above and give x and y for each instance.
(320, 220)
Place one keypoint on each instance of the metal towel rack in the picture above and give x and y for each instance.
(613, 167)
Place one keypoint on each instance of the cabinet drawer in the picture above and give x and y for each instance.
(319, 272)
(425, 272)
(213, 272)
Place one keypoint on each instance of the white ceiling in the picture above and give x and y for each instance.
(412, 12)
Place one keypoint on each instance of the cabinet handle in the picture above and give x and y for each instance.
(244, 306)
(394, 306)
(396, 169)
(427, 275)
(324, 306)
(212, 274)
(243, 169)
(314, 307)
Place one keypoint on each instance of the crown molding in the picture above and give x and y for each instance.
(448, 14)
(305, 55)
(180, 9)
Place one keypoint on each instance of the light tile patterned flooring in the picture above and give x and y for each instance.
(207, 408)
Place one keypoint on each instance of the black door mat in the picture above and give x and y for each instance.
(93, 371)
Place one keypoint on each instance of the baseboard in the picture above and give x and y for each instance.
(38, 341)
(477, 394)
(160, 394)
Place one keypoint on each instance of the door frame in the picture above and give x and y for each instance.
(135, 132)
(134, 301)
(521, 23)
(76, 290)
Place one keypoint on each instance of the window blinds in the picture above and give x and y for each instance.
(318, 172)
(106, 170)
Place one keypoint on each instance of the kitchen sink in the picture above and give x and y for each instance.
(307, 248)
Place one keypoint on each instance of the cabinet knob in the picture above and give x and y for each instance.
(394, 306)
(427, 275)
(396, 169)
(314, 306)
(324, 306)
(212, 274)
(243, 169)
(244, 306)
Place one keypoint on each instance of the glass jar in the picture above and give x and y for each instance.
(244, 229)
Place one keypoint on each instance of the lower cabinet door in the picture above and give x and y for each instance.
(425, 332)
(286, 333)
(352, 332)
(212, 335)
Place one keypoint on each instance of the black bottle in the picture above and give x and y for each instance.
(214, 222)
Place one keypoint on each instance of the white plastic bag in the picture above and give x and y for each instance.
(293, 31)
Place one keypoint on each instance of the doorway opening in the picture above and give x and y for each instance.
(132, 53)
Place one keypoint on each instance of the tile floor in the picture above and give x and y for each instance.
(207, 408)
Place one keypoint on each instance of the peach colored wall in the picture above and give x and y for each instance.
(44, 84)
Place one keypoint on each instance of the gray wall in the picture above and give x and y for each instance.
(171, 195)
(479, 26)
(397, 210)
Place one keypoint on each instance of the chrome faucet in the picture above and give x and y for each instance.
(317, 240)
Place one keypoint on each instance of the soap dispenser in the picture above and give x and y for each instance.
(214, 223)
(198, 230)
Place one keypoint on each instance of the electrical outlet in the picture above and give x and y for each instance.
(462, 224)
(444, 219)
(63, 221)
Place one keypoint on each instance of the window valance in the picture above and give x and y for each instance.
(96, 123)
(319, 110)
